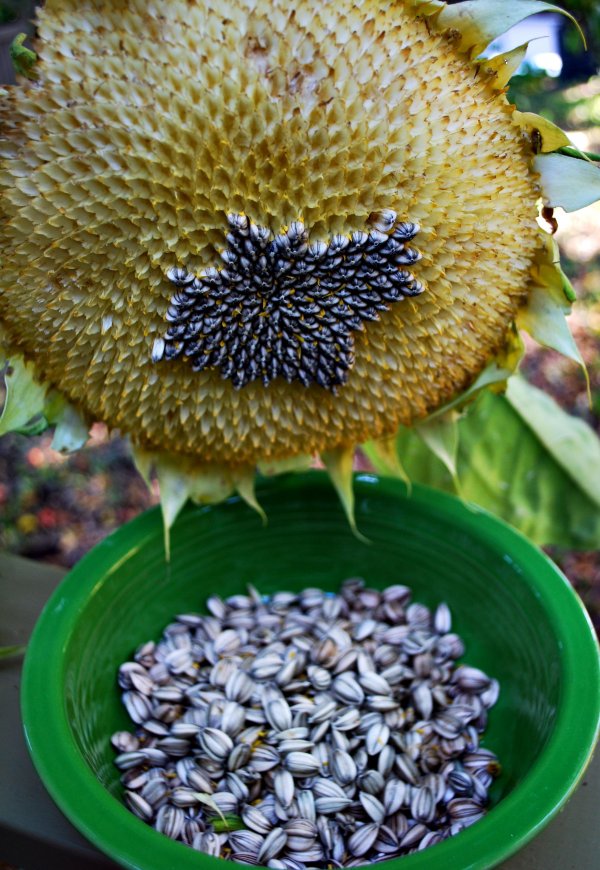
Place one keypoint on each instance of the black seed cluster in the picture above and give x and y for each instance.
(282, 307)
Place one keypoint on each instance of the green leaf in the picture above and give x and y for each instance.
(7, 652)
(25, 400)
(271, 467)
(23, 58)
(174, 492)
(567, 182)
(383, 455)
(572, 443)
(244, 484)
(339, 464)
(71, 431)
(208, 801)
(544, 318)
(540, 475)
(228, 823)
(494, 374)
(441, 436)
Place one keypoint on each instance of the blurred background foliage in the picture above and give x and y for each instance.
(55, 508)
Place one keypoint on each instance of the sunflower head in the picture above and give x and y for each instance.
(247, 231)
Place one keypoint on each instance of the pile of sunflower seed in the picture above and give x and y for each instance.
(307, 730)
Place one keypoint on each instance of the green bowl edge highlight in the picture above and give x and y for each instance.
(533, 803)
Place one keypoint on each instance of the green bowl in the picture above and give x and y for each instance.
(520, 619)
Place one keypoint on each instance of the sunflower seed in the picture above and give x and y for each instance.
(169, 821)
(320, 678)
(471, 679)
(373, 807)
(374, 683)
(413, 836)
(332, 805)
(346, 720)
(217, 744)
(138, 706)
(256, 820)
(123, 741)
(278, 714)
(284, 787)
(385, 762)
(394, 795)
(138, 805)
(422, 805)
(322, 711)
(371, 782)
(464, 810)
(377, 737)
(265, 758)
(362, 839)
(286, 746)
(245, 841)
(273, 845)
(343, 767)
(239, 756)
(239, 687)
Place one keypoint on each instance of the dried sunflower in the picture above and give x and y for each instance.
(247, 232)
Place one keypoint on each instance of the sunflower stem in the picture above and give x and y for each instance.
(571, 151)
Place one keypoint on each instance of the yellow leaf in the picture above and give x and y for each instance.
(505, 65)
(339, 465)
(552, 137)
(481, 21)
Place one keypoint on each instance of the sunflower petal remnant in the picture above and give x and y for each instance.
(207, 218)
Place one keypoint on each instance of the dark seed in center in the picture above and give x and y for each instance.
(283, 307)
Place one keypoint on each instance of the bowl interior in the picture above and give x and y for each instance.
(512, 608)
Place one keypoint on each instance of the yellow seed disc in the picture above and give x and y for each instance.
(150, 122)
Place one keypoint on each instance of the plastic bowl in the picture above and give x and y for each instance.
(520, 619)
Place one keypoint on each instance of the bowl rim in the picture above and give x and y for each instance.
(103, 819)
